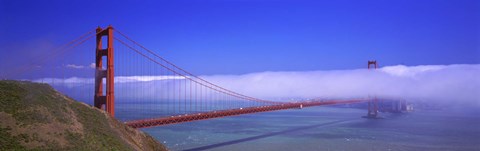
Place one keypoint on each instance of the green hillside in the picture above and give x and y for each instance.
(34, 116)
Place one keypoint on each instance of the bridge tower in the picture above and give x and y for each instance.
(373, 104)
(104, 100)
(373, 63)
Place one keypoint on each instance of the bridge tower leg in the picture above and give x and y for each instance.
(372, 105)
(373, 108)
(373, 63)
(403, 105)
(101, 100)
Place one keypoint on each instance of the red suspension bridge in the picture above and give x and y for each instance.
(129, 76)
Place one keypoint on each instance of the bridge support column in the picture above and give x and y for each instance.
(373, 108)
(373, 104)
(101, 100)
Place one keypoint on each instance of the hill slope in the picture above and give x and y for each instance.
(35, 116)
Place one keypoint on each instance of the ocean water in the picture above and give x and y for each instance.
(326, 128)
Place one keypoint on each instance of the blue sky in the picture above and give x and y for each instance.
(245, 36)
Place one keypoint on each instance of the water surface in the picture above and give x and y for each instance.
(327, 128)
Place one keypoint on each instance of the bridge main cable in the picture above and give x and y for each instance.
(59, 51)
(228, 92)
(189, 78)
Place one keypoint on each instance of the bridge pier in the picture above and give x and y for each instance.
(396, 106)
(372, 108)
(101, 100)
(399, 106)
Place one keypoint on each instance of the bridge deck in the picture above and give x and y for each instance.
(232, 112)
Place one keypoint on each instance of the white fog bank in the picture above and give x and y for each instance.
(458, 84)
(453, 83)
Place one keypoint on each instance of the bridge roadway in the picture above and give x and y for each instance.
(232, 112)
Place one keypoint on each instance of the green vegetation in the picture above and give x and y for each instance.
(36, 117)
(8, 141)
(11, 97)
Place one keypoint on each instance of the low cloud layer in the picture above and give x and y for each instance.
(442, 83)
(74, 66)
(458, 84)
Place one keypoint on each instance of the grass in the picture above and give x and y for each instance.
(11, 97)
(97, 131)
(9, 142)
(34, 105)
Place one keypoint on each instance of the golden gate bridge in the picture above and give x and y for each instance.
(176, 95)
